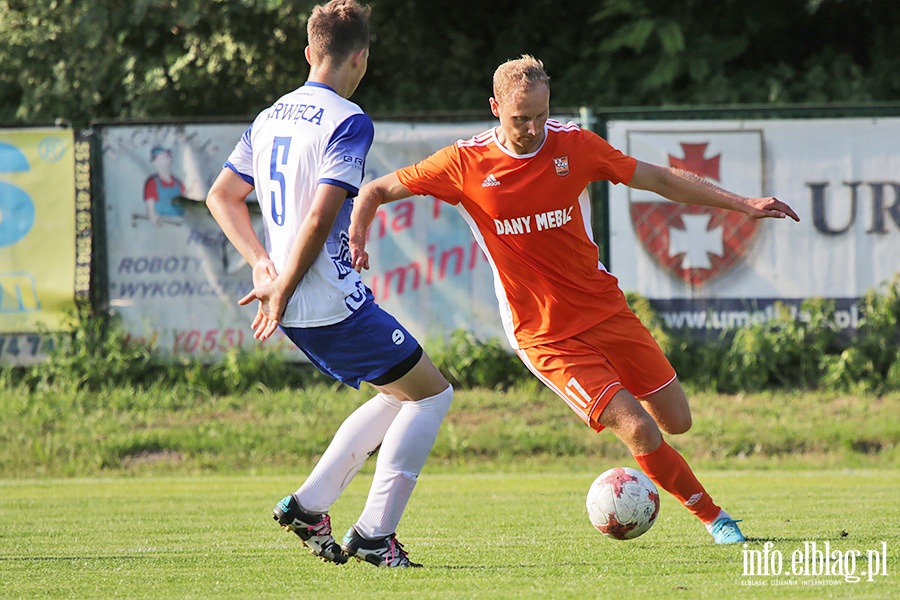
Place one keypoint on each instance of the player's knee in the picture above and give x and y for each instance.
(680, 424)
(638, 431)
(647, 433)
(670, 409)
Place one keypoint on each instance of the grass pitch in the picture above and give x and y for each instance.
(482, 535)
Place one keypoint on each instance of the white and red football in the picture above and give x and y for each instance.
(622, 503)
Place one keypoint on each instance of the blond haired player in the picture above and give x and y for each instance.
(522, 189)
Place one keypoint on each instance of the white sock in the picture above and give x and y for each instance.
(403, 453)
(722, 514)
(356, 439)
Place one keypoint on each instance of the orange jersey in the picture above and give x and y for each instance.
(531, 216)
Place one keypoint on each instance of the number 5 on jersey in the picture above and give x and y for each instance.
(278, 194)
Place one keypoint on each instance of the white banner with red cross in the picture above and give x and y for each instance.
(713, 269)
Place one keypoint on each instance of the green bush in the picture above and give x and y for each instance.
(872, 362)
(90, 354)
(786, 353)
(94, 353)
(467, 362)
(805, 353)
(703, 365)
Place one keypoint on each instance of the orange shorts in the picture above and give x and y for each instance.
(586, 370)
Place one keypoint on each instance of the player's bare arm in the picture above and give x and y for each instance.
(687, 188)
(273, 295)
(371, 196)
(227, 202)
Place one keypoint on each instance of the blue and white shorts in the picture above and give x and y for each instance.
(369, 345)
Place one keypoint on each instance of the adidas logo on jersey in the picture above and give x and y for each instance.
(490, 181)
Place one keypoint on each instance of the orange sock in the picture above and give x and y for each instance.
(668, 469)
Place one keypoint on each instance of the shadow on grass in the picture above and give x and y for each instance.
(77, 558)
(511, 567)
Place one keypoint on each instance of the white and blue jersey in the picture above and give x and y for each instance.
(308, 137)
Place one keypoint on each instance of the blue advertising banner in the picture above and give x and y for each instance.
(37, 238)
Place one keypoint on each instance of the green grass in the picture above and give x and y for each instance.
(496, 534)
(189, 430)
(166, 492)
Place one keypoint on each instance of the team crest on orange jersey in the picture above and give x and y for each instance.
(562, 165)
(696, 243)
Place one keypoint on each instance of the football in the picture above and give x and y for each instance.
(622, 503)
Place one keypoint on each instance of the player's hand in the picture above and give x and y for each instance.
(264, 272)
(761, 208)
(359, 258)
(272, 300)
(271, 308)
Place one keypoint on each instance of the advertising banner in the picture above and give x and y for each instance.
(709, 270)
(426, 268)
(37, 238)
(175, 279)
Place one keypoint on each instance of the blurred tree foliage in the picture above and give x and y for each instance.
(91, 59)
